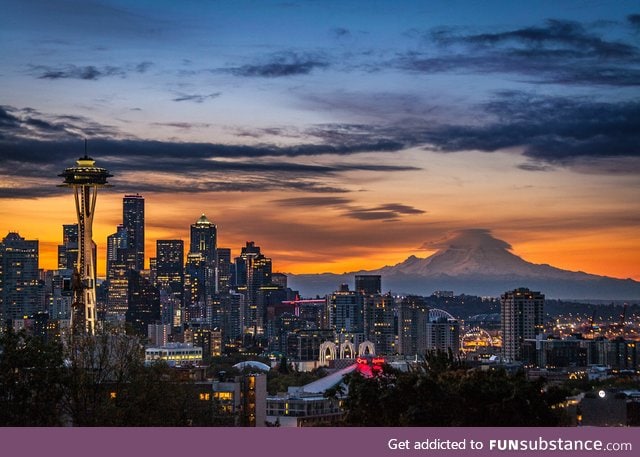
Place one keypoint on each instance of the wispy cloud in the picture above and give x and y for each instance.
(87, 72)
(281, 65)
(196, 98)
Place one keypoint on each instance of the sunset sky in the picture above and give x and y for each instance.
(338, 135)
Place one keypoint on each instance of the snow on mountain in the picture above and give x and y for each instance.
(474, 262)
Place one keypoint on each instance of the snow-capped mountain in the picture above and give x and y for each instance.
(474, 262)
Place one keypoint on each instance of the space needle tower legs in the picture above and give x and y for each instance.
(85, 178)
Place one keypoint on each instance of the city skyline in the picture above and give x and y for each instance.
(321, 131)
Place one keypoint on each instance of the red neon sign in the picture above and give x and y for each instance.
(378, 360)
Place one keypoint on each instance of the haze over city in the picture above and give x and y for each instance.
(339, 136)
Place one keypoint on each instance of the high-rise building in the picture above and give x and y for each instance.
(204, 238)
(68, 250)
(345, 311)
(116, 247)
(202, 265)
(522, 314)
(369, 284)
(379, 322)
(224, 270)
(21, 292)
(443, 335)
(170, 276)
(133, 222)
(253, 273)
(413, 315)
(85, 179)
(143, 301)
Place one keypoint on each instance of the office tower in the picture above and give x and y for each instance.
(253, 272)
(345, 311)
(116, 247)
(195, 274)
(413, 315)
(224, 270)
(233, 313)
(144, 303)
(443, 334)
(369, 284)
(202, 269)
(85, 179)
(21, 292)
(379, 322)
(522, 313)
(170, 276)
(204, 238)
(68, 250)
(133, 222)
(60, 294)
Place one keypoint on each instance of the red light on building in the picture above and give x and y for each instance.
(378, 361)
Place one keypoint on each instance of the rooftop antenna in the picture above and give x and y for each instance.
(85, 147)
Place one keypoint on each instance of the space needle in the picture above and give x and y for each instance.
(85, 178)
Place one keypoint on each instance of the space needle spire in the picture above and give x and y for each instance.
(85, 178)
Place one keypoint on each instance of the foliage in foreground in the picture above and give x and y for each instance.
(96, 381)
(448, 396)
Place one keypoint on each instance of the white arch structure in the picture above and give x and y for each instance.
(327, 351)
(437, 313)
(366, 348)
(347, 350)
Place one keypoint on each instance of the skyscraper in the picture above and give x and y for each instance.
(253, 271)
(68, 250)
(204, 238)
(224, 270)
(379, 322)
(116, 245)
(85, 178)
(443, 334)
(201, 262)
(117, 273)
(133, 222)
(413, 315)
(522, 313)
(345, 310)
(143, 303)
(21, 293)
(170, 276)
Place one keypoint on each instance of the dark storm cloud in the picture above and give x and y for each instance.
(196, 98)
(566, 37)
(281, 65)
(312, 201)
(560, 52)
(27, 123)
(554, 130)
(88, 72)
(386, 212)
(634, 20)
(36, 147)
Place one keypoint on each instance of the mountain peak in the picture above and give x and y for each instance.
(469, 240)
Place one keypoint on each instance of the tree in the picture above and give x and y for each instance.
(30, 380)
